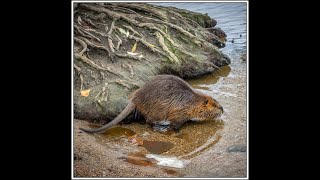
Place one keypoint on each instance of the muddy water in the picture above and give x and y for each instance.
(191, 138)
(206, 81)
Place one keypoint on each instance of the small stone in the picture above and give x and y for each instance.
(237, 148)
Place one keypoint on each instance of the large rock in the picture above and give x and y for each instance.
(119, 46)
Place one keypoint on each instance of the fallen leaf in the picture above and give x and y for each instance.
(170, 171)
(151, 45)
(127, 34)
(79, 20)
(134, 47)
(136, 140)
(139, 161)
(85, 93)
(122, 31)
(133, 54)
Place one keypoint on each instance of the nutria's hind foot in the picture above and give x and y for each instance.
(161, 128)
(165, 125)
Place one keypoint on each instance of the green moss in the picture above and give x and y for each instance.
(169, 45)
(197, 17)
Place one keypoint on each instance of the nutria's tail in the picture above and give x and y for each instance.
(130, 107)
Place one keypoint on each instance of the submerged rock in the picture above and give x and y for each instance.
(237, 148)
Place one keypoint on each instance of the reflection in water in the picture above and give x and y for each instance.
(212, 141)
(157, 147)
(207, 80)
(191, 136)
(114, 132)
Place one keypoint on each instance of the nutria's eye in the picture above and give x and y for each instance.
(206, 102)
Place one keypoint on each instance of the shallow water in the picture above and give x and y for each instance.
(191, 137)
(206, 81)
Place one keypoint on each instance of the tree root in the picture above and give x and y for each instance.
(134, 84)
(83, 44)
(102, 75)
(111, 46)
(88, 61)
(140, 7)
(100, 33)
(178, 28)
(120, 82)
(92, 38)
(186, 52)
(100, 46)
(145, 43)
(92, 64)
(153, 27)
(141, 25)
(196, 40)
(82, 31)
(152, 47)
(119, 43)
(170, 55)
(80, 74)
(117, 8)
(88, 21)
(102, 90)
(134, 31)
(150, 26)
(101, 94)
(79, 20)
(131, 70)
(112, 15)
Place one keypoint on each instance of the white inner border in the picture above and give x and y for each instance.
(247, 10)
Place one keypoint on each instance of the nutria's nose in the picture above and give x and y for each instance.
(221, 108)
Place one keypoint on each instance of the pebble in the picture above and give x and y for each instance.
(237, 148)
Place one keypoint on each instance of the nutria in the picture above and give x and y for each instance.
(168, 100)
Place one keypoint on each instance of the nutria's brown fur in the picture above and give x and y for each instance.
(168, 100)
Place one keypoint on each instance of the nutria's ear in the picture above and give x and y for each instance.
(206, 102)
